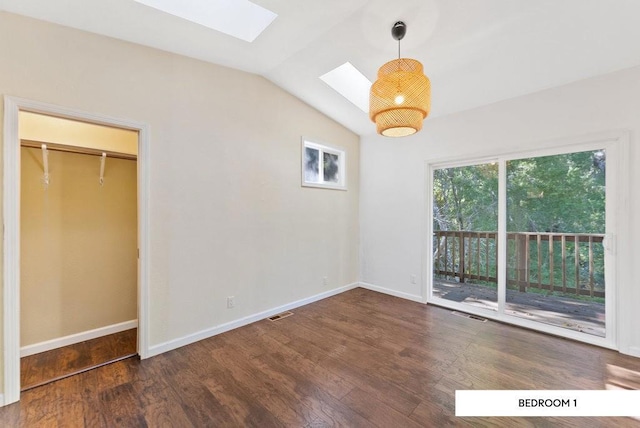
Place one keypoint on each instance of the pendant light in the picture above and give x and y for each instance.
(401, 97)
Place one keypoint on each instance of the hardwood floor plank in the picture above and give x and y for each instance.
(357, 359)
(88, 384)
(406, 375)
(335, 385)
(199, 404)
(312, 393)
(435, 415)
(121, 408)
(413, 315)
(237, 399)
(51, 365)
(328, 353)
(160, 404)
(280, 401)
(41, 409)
(375, 330)
(70, 398)
(376, 411)
(546, 376)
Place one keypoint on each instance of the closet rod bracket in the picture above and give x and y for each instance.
(45, 164)
(103, 159)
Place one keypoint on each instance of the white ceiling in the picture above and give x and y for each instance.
(474, 51)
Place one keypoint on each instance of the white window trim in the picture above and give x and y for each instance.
(342, 157)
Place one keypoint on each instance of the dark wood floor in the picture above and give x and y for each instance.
(356, 359)
(44, 367)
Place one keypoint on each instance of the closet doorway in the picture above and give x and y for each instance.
(75, 234)
(78, 247)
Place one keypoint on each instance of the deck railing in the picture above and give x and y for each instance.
(566, 262)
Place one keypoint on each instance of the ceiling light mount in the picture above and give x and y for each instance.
(398, 30)
(401, 97)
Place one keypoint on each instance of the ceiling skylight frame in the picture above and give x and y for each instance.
(349, 82)
(241, 19)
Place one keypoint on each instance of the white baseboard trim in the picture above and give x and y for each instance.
(2, 403)
(48, 345)
(634, 351)
(414, 297)
(209, 332)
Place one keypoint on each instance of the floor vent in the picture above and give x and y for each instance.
(473, 317)
(280, 316)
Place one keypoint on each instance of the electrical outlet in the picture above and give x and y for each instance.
(325, 280)
(412, 278)
(231, 302)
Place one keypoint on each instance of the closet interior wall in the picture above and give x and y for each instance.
(78, 244)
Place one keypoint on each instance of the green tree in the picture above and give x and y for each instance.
(560, 193)
(466, 198)
(549, 194)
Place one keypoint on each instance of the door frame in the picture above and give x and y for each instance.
(616, 142)
(11, 245)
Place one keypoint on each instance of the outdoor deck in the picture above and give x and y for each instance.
(579, 315)
(539, 268)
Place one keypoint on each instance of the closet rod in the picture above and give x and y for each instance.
(79, 150)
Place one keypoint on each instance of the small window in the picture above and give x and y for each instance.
(323, 166)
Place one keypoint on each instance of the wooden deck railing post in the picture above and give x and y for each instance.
(446, 254)
(461, 235)
(478, 255)
(522, 248)
(486, 256)
(454, 259)
(577, 262)
(591, 279)
(551, 265)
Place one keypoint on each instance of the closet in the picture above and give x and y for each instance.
(78, 247)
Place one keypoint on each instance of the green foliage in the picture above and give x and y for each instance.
(466, 198)
(561, 193)
(549, 194)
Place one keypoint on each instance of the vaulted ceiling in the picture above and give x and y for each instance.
(475, 52)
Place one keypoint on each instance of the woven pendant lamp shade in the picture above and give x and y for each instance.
(400, 99)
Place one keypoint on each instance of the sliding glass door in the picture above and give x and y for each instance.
(522, 239)
(555, 228)
(465, 237)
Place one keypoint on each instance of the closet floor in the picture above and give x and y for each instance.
(49, 366)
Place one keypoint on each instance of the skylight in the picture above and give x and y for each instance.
(350, 83)
(238, 18)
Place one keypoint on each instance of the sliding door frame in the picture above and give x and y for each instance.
(616, 145)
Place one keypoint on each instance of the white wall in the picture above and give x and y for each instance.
(228, 214)
(392, 192)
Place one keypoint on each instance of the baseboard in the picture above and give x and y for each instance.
(634, 351)
(2, 403)
(48, 345)
(205, 334)
(391, 292)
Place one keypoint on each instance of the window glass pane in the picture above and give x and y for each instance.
(465, 224)
(311, 165)
(556, 226)
(330, 165)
